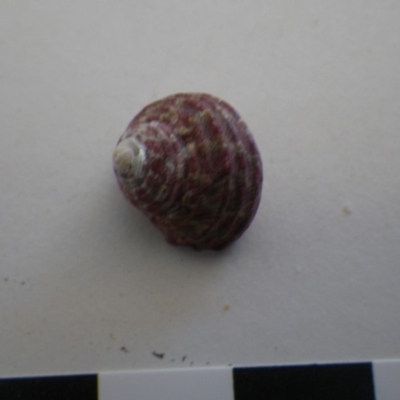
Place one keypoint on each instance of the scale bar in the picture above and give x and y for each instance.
(377, 380)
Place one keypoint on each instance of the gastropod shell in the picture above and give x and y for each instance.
(190, 164)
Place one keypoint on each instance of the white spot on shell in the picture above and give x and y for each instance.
(129, 157)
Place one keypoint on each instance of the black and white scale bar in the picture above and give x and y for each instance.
(378, 380)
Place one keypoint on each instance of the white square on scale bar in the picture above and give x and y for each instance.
(387, 379)
(172, 384)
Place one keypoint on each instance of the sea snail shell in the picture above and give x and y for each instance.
(190, 164)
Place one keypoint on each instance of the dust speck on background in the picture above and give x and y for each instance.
(346, 210)
(158, 355)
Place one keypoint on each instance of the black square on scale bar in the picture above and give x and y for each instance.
(307, 382)
(73, 387)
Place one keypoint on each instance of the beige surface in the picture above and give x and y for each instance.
(86, 284)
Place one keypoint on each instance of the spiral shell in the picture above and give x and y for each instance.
(190, 164)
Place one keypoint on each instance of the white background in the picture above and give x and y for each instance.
(88, 284)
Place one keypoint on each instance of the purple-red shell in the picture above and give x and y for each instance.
(200, 174)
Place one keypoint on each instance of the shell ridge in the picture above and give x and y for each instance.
(227, 128)
(248, 203)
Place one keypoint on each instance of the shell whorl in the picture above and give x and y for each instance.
(129, 157)
(191, 165)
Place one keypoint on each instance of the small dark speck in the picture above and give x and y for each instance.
(346, 210)
(6, 279)
(158, 355)
(23, 283)
(226, 307)
(172, 359)
(183, 358)
(208, 363)
(191, 363)
(124, 349)
(230, 365)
